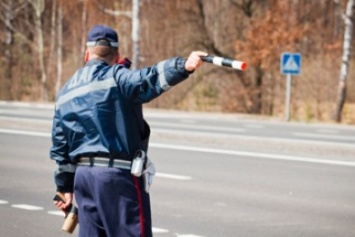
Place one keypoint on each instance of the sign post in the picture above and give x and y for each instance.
(290, 64)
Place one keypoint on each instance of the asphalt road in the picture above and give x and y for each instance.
(218, 175)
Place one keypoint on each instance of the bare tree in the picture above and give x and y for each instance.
(38, 6)
(59, 49)
(348, 20)
(135, 34)
(52, 42)
(9, 43)
(83, 26)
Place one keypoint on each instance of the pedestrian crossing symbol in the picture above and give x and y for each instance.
(291, 63)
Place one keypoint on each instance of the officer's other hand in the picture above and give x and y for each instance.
(68, 201)
(194, 61)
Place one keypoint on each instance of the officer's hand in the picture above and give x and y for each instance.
(125, 62)
(194, 61)
(68, 200)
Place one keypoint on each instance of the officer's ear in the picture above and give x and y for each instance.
(86, 57)
(117, 58)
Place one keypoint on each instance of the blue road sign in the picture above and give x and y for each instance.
(290, 63)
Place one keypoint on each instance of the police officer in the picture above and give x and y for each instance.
(99, 132)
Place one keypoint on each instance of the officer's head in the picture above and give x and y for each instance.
(102, 43)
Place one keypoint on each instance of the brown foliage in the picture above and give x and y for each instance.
(255, 31)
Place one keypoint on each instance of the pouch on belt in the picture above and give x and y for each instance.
(140, 167)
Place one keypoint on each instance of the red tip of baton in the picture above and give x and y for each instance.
(239, 65)
(243, 66)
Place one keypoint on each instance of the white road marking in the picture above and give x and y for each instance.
(4, 202)
(194, 126)
(329, 131)
(159, 230)
(219, 151)
(189, 235)
(61, 214)
(244, 136)
(43, 134)
(154, 229)
(56, 213)
(254, 154)
(22, 132)
(27, 207)
(324, 136)
(42, 121)
(28, 105)
(40, 134)
(173, 176)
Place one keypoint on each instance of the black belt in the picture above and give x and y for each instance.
(104, 162)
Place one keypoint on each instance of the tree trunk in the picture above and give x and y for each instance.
(256, 92)
(38, 6)
(135, 34)
(84, 29)
(58, 83)
(345, 61)
(8, 51)
(50, 61)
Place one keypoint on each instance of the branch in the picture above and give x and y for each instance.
(127, 14)
(342, 13)
(22, 36)
(246, 6)
(19, 8)
(18, 33)
(38, 5)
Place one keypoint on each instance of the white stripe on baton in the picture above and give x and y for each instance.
(219, 61)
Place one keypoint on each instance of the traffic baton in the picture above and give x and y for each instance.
(226, 62)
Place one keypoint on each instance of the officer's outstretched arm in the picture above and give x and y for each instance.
(141, 86)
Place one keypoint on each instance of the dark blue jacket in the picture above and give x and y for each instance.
(98, 112)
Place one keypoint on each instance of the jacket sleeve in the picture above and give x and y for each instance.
(143, 85)
(64, 175)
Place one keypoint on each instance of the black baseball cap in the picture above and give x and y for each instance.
(102, 35)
